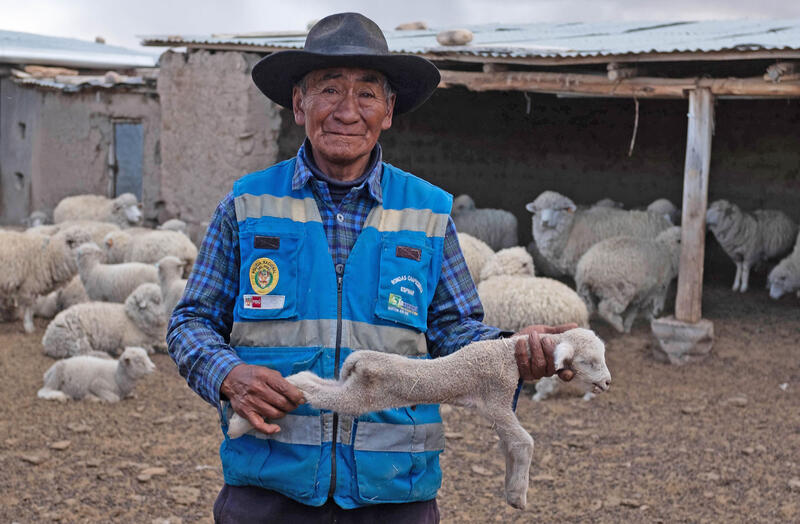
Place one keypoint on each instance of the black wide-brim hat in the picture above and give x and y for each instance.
(347, 40)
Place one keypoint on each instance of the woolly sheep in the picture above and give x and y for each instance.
(111, 282)
(621, 276)
(96, 378)
(496, 227)
(174, 224)
(785, 277)
(608, 202)
(149, 247)
(476, 252)
(563, 233)
(49, 305)
(37, 218)
(125, 210)
(108, 327)
(749, 239)
(513, 298)
(667, 209)
(483, 375)
(172, 285)
(36, 265)
(97, 230)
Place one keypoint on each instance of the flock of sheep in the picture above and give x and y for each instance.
(108, 284)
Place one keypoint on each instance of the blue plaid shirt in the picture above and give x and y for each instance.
(200, 326)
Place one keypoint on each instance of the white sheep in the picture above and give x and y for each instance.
(666, 208)
(37, 218)
(513, 297)
(97, 230)
(172, 285)
(608, 202)
(563, 233)
(496, 227)
(96, 378)
(750, 238)
(174, 224)
(49, 305)
(785, 277)
(483, 375)
(620, 277)
(476, 252)
(35, 265)
(111, 282)
(108, 327)
(125, 210)
(149, 247)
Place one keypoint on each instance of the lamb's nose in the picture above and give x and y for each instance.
(608, 383)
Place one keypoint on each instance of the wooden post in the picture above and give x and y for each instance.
(695, 201)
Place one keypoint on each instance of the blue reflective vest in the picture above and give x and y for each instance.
(297, 311)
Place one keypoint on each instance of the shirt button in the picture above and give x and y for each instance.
(339, 217)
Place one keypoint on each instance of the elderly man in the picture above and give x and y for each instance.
(318, 256)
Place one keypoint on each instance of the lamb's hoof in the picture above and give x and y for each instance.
(517, 500)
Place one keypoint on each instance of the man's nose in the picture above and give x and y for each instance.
(347, 109)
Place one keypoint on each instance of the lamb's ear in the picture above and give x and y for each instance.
(563, 355)
(529, 207)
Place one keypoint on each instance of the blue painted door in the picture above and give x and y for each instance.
(128, 149)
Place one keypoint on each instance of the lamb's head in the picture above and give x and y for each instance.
(88, 255)
(670, 238)
(462, 203)
(785, 277)
(721, 214)
(514, 261)
(170, 268)
(64, 245)
(145, 307)
(553, 214)
(136, 362)
(37, 218)
(585, 354)
(127, 210)
(116, 245)
(665, 208)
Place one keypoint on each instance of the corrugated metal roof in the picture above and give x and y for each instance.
(558, 40)
(29, 48)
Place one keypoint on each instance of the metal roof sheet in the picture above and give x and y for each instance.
(558, 40)
(29, 48)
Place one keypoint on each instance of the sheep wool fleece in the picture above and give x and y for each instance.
(297, 311)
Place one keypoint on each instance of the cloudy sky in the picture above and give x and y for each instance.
(119, 21)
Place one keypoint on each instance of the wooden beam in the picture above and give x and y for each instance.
(600, 85)
(618, 71)
(688, 304)
(782, 71)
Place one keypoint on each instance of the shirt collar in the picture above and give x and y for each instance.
(302, 172)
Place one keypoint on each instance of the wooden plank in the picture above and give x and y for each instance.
(688, 304)
(600, 85)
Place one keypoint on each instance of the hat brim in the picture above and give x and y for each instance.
(413, 78)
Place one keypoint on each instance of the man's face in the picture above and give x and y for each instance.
(344, 111)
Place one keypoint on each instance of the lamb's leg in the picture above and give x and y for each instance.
(610, 311)
(99, 388)
(738, 279)
(27, 318)
(745, 276)
(517, 446)
(52, 394)
(545, 387)
(630, 316)
(349, 396)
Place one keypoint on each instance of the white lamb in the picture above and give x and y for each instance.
(563, 233)
(620, 277)
(476, 253)
(97, 230)
(172, 285)
(496, 227)
(483, 375)
(72, 293)
(108, 327)
(513, 297)
(96, 378)
(785, 277)
(35, 265)
(125, 210)
(666, 208)
(174, 224)
(111, 282)
(149, 247)
(750, 239)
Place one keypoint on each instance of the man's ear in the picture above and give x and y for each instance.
(297, 106)
(563, 355)
(387, 120)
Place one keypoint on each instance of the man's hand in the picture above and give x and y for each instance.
(535, 355)
(257, 392)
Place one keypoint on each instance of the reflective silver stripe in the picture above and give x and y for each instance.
(376, 436)
(308, 430)
(425, 220)
(322, 332)
(257, 206)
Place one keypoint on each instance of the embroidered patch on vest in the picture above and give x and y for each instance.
(398, 305)
(260, 242)
(264, 302)
(409, 252)
(263, 275)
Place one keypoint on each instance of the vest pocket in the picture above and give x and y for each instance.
(268, 275)
(402, 295)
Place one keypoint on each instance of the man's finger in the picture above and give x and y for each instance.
(560, 328)
(538, 362)
(259, 424)
(522, 355)
(288, 390)
(549, 349)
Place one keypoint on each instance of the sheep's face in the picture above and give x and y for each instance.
(671, 238)
(584, 353)
(782, 280)
(115, 244)
(126, 205)
(69, 240)
(136, 362)
(170, 267)
(552, 218)
(720, 213)
(89, 252)
(462, 203)
(147, 308)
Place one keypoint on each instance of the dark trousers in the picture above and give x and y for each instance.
(252, 505)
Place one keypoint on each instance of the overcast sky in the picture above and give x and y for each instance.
(119, 21)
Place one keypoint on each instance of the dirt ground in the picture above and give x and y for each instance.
(717, 441)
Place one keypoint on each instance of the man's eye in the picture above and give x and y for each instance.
(329, 90)
(367, 94)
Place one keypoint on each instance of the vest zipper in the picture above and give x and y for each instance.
(335, 430)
